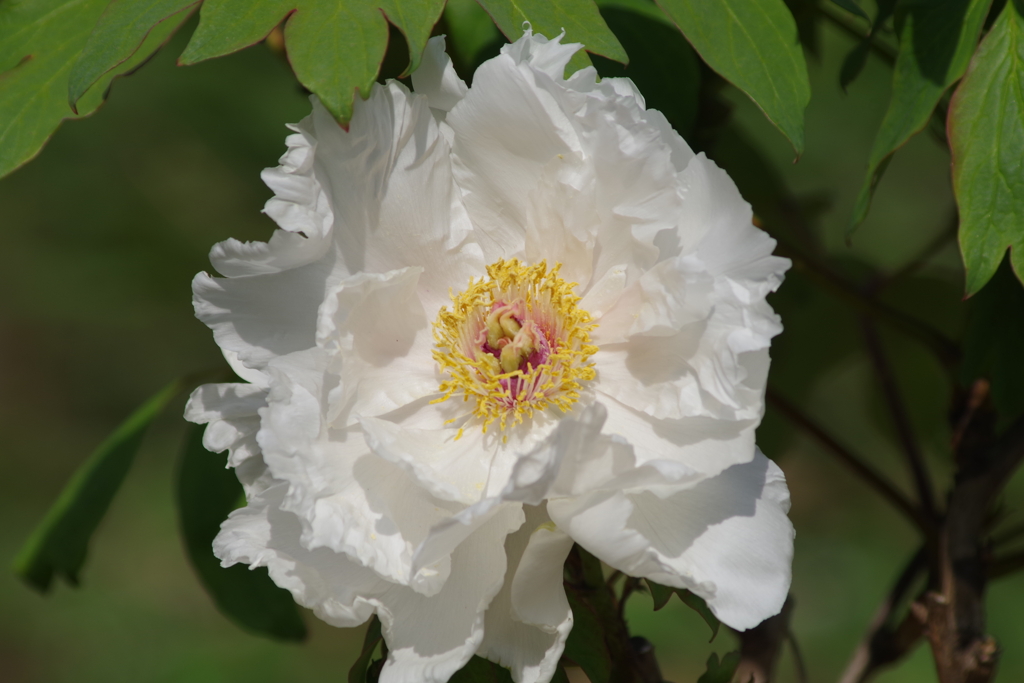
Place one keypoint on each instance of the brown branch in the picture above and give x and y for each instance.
(901, 419)
(761, 646)
(954, 615)
(859, 467)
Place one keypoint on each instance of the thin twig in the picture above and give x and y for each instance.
(881, 643)
(881, 50)
(862, 469)
(798, 658)
(901, 419)
(628, 586)
(944, 349)
(933, 247)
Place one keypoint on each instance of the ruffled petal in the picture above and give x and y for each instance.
(430, 638)
(263, 535)
(231, 412)
(376, 326)
(727, 539)
(299, 206)
(390, 185)
(436, 78)
(528, 621)
(347, 498)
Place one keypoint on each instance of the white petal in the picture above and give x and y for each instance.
(299, 207)
(262, 317)
(376, 326)
(436, 77)
(528, 621)
(430, 638)
(389, 180)
(449, 466)
(329, 584)
(231, 413)
(505, 131)
(705, 444)
(727, 538)
(347, 498)
(547, 56)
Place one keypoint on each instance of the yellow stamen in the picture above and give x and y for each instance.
(537, 343)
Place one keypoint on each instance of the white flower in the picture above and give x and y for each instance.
(497, 320)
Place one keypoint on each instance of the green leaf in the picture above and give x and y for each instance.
(700, 607)
(661, 62)
(470, 31)
(480, 670)
(994, 339)
(40, 41)
(937, 38)
(662, 594)
(579, 18)
(986, 134)
(720, 672)
(659, 594)
(586, 644)
(334, 46)
(357, 674)
(206, 493)
(853, 8)
(752, 44)
(560, 676)
(121, 30)
(59, 545)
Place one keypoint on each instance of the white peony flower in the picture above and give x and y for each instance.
(497, 320)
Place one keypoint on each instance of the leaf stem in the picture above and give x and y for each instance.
(901, 419)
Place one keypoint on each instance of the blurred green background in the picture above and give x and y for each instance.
(104, 231)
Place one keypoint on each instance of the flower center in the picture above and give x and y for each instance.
(514, 342)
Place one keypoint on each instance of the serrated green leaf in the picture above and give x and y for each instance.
(937, 38)
(993, 341)
(720, 671)
(579, 18)
(662, 594)
(120, 31)
(753, 45)
(206, 493)
(661, 62)
(480, 670)
(335, 47)
(357, 674)
(852, 7)
(59, 545)
(40, 40)
(986, 135)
